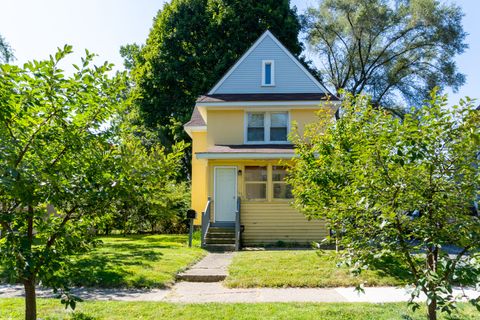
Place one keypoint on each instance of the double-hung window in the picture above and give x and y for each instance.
(256, 127)
(264, 127)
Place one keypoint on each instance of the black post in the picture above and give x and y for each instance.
(191, 214)
(190, 236)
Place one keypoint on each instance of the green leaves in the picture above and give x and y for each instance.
(396, 51)
(56, 133)
(405, 188)
(148, 196)
(191, 44)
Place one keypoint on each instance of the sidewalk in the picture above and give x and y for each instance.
(203, 287)
(201, 292)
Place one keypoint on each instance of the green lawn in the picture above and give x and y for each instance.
(135, 261)
(51, 309)
(304, 268)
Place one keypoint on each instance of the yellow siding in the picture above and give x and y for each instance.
(225, 127)
(199, 175)
(267, 221)
(271, 222)
(301, 117)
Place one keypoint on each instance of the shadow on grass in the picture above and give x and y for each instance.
(180, 240)
(122, 246)
(387, 266)
(110, 269)
(393, 268)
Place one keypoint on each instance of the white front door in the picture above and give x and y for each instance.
(225, 198)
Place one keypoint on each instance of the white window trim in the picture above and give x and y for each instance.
(266, 127)
(272, 73)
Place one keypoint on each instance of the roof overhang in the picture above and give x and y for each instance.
(243, 156)
(191, 129)
(255, 104)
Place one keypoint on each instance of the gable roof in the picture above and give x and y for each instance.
(309, 81)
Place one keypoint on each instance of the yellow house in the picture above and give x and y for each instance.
(240, 140)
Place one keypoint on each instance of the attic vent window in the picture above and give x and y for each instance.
(268, 73)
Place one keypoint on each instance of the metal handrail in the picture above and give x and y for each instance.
(238, 227)
(206, 221)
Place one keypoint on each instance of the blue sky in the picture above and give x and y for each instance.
(36, 28)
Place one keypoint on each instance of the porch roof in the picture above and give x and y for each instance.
(248, 151)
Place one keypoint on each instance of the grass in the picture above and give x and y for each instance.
(305, 268)
(12, 308)
(134, 261)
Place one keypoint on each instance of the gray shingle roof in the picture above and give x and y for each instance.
(196, 120)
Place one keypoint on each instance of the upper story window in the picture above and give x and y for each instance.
(268, 73)
(264, 127)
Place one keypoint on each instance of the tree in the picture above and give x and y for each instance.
(395, 51)
(56, 157)
(191, 45)
(398, 188)
(149, 196)
(6, 52)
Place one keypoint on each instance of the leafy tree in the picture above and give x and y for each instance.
(55, 166)
(191, 45)
(395, 51)
(6, 52)
(131, 54)
(398, 188)
(149, 196)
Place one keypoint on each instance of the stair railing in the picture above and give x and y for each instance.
(238, 227)
(206, 221)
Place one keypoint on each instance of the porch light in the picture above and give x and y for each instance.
(239, 172)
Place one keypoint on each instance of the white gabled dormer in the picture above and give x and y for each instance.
(267, 67)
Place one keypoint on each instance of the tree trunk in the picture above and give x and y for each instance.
(432, 260)
(29, 283)
(432, 309)
(30, 300)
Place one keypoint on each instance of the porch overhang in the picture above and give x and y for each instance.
(244, 156)
(248, 152)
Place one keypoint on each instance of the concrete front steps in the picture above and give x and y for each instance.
(220, 239)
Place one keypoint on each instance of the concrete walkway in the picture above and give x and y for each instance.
(201, 292)
(212, 268)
